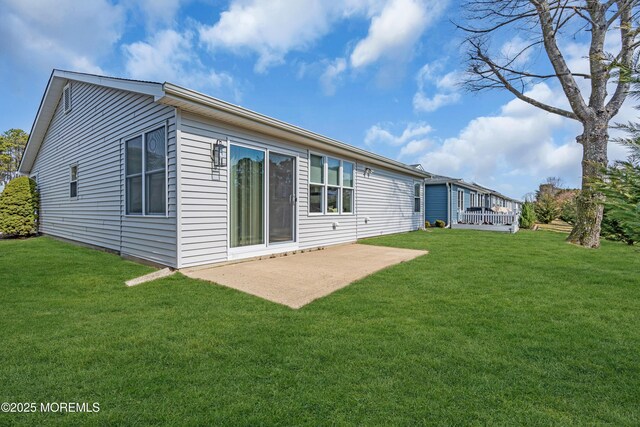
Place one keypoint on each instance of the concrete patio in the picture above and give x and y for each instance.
(297, 279)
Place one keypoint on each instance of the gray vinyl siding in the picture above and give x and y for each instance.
(386, 197)
(204, 216)
(385, 202)
(323, 229)
(435, 202)
(203, 195)
(91, 135)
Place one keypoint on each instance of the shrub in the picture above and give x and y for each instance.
(547, 209)
(19, 208)
(440, 223)
(569, 211)
(427, 224)
(528, 215)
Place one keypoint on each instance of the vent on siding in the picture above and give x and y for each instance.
(67, 98)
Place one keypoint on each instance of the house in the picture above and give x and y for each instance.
(461, 204)
(161, 173)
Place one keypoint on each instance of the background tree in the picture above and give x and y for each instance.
(12, 143)
(621, 182)
(544, 25)
(528, 215)
(547, 209)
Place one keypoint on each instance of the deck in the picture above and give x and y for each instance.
(488, 221)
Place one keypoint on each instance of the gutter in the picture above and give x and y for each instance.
(449, 203)
(227, 112)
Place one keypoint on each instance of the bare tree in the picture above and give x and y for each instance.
(543, 26)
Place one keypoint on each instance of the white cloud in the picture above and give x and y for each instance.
(517, 50)
(520, 141)
(332, 74)
(157, 13)
(394, 31)
(67, 34)
(415, 147)
(444, 87)
(412, 140)
(421, 102)
(270, 28)
(273, 28)
(170, 56)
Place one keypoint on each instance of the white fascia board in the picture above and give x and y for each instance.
(137, 86)
(179, 96)
(49, 102)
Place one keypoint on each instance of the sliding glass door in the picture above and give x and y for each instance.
(282, 198)
(246, 196)
(252, 211)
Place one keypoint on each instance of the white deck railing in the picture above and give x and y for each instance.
(489, 218)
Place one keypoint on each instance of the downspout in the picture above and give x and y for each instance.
(449, 204)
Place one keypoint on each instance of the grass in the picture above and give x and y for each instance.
(556, 225)
(488, 328)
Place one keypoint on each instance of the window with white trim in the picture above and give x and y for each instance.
(417, 200)
(73, 181)
(331, 185)
(460, 200)
(66, 98)
(146, 173)
(474, 199)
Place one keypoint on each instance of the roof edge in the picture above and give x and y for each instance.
(174, 91)
(51, 96)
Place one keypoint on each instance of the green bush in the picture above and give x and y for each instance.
(528, 215)
(612, 229)
(427, 224)
(19, 208)
(569, 211)
(547, 209)
(440, 223)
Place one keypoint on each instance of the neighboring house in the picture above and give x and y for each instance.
(169, 175)
(447, 199)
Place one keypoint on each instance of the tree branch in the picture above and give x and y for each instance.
(507, 84)
(558, 62)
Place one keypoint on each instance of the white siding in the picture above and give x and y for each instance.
(386, 197)
(384, 202)
(91, 136)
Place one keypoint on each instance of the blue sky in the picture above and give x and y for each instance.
(379, 74)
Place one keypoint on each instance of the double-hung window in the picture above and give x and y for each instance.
(316, 184)
(347, 187)
(331, 185)
(146, 172)
(460, 200)
(417, 201)
(73, 181)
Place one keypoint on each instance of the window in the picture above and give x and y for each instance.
(474, 201)
(316, 192)
(333, 180)
(416, 197)
(460, 200)
(67, 98)
(331, 185)
(73, 181)
(146, 184)
(347, 187)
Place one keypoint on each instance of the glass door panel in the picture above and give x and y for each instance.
(282, 198)
(246, 196)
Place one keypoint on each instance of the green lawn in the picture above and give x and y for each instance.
(487, 329)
